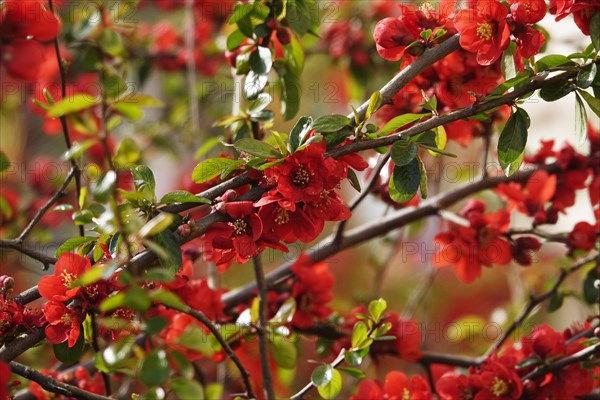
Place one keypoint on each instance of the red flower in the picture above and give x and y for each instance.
(480, 243)
(582, 10)
(59, 286)
(527, 11)
(452, 386)
(397, 386)
(312, 291)
(237, 238)
(408, 337)
(583, 236)
(63, 323)
(22, 24)
(286, 221)
(483, 30)
(544, 342)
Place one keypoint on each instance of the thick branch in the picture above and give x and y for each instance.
(20, 345)
(15, 245)
(581, 355)
(52, 385)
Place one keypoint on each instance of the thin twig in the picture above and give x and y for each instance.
(96, 347)
(42, 211)
(300, 395)
(534, 301)
(263, 345)
(52, 385)
(15, 245)
(63, 118)
(202, 318)
(363, 195)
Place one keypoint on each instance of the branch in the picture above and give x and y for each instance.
(42, 211)
(581, 355)
(52, 385)
(534, 301)
(261, 330)
(15, 245)
(15, 348)
(426, 60)
(300, 395)
(431, 206)
(203, 319)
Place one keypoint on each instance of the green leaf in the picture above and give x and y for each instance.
(290, 93)
(235, 39)
(593, 102)
(257, 148)
(513, 138)
(70, 355)
(214, 391)
(299, 132)
(359, 334)
(254, 84)
(590, 290)
(595, 30)
(156, 225)
(182, 196)
(167, 298)
(285, 313)
(129, 111)
(128, 153)
(283, 350)
(4, 162)
(103, 189)
(556, 301)
(260, 103)
(294, 55)
(331, 123)
(377, 308)
(586, 76)
(159, 275)
(333, 388)
(261, 60)
(322, 375)
(210, 168)
(509, 70)
(521, 77)
(73, 104)
(137, 299)
(405, 182)
(111, 42)
(374, 103)
(580, 121)
(194, 338)
(353, 357)
(187, 389)
(399, 121)
(207, 146)
(556, 91)
(353, 179)
(167, 240)
(73, 243)
(298, 17)
(143, 179)
(423, 183)
(551, 61)
(77, 149)
(403, 152)
(155, 369)
(353, 372)
(155, 325)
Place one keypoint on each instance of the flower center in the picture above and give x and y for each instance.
(405, 394)
(282, 216)
(499, 387)
(66, 319)
(301, 176)
(239, 226)
(485, 31)
(67, 279)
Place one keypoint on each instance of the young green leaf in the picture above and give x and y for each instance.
(399, 121)
(331, 123)
(374, 103)
(299, 132)
(593, 102)
(333, 388)
(322, 375)
(257, 148)
(182, 196)
(210, 168)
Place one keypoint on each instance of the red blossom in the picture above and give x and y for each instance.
(527, 11)
(584, 236)
(4, 379)
(64, 324)
(467, 248)
(397, 386)
(60, 285)
(483, 30)
(312, 291)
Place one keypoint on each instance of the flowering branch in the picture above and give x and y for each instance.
(581, 355)
(52, 385)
